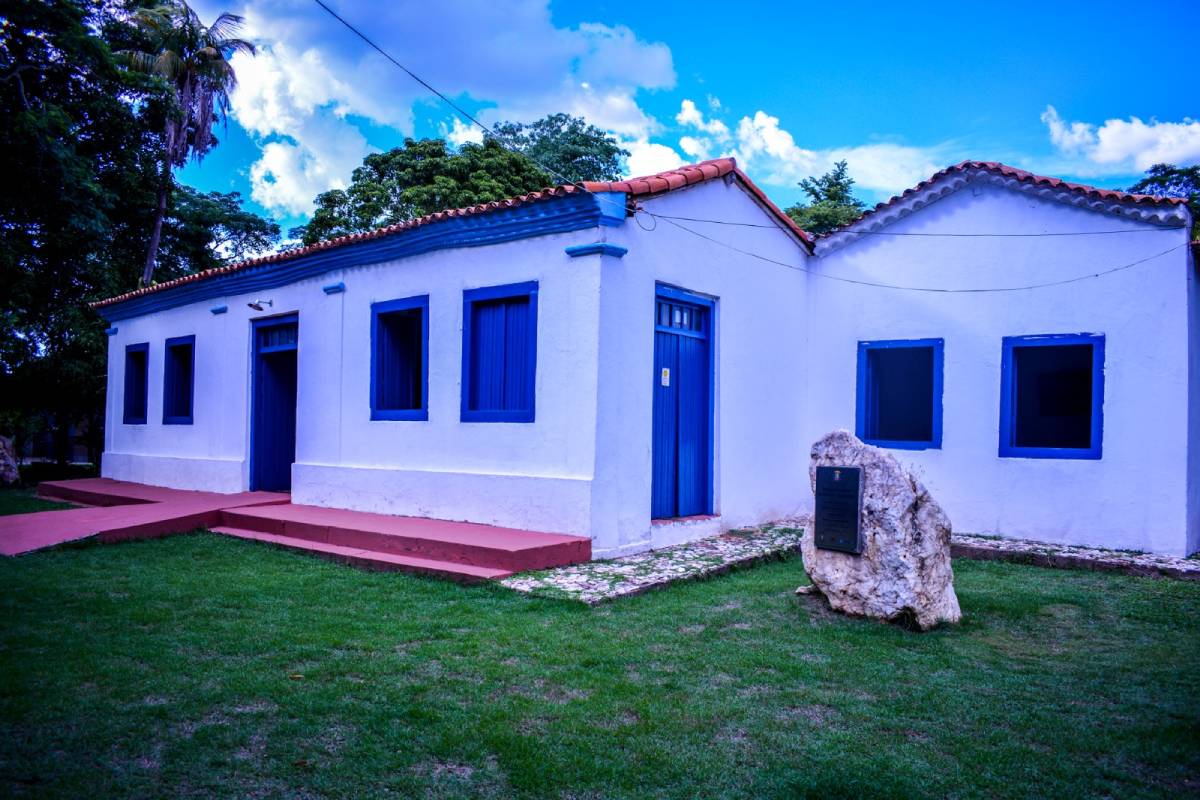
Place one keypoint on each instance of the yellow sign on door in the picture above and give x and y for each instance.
(666, 376)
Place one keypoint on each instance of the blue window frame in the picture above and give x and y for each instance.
(137, 371)
(400, 359)
(179, 370)
(499, 353)
(899, 398)
(1052, 396)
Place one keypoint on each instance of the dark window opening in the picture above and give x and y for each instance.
(899, 400)
(1053, 396)
(400, 361)
(137, 362)
(178, 386)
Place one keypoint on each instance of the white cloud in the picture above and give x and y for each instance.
(459, 133)
(887, 168)
(690, 116)
(308, 93)
(1119, 147)
(771, 154)
(696, 148)
(648, 158)
(295, 101)
(761, 140)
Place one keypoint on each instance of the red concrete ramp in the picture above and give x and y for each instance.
(118, 510)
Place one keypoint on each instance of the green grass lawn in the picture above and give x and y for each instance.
(204, 666)
(24, 501)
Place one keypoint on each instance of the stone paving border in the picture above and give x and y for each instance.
(1061, 556)
(598, 581)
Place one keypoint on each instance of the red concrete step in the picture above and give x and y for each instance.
(370, 559)
(438, 540)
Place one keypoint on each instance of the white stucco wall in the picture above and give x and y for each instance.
(584, 465)
(785, 354)
(760, 458)
(1136, 496)
(534, 475)
(1193, 509)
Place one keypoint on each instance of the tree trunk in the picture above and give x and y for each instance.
(164, 186)
(62, 439)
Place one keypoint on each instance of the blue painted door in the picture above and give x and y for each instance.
(273, 418)
(682, 431)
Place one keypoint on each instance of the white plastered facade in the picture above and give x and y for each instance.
(784, 373)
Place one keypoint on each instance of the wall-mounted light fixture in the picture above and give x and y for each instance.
(257, 305)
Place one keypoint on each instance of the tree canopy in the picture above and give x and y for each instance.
(80, 148)
(1169, 180)
(424, 176)
(570, 149)
(832, 203)
(418, 178)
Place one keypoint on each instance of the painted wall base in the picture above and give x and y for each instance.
(224, 476)
(539, 503)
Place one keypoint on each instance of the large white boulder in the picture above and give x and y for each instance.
(904, 573)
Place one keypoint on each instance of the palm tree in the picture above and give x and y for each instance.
(193, 59)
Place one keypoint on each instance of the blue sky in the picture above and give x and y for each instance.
(1090, 91)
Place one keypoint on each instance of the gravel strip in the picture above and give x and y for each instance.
(1024, 551)
(598, 581)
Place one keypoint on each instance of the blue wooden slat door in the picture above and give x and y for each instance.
(273, 417)
(682, 446)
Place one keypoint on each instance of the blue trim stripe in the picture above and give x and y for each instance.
(334, 288)
(1008, 397)
(600, 248)
(111, 331)
(864, 409)
(572, 212)
(218, 310)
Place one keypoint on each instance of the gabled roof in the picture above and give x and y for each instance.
(1148, 208)
(691, 174)
(634, 188)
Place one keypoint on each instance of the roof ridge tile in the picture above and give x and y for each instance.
(1017, 174)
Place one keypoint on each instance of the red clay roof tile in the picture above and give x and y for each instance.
(641, 187)
(1021, 175)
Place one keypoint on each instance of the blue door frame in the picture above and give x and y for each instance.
(682, 476)
(273, 403)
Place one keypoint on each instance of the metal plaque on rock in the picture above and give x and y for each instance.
(839, 509)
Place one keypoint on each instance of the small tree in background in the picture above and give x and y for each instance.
(832, 203)
(1168, 180)
(570, 148)
(419, 178)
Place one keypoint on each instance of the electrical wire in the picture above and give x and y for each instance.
(673, 220)
(949, 235)
(898, 287)
(457, 108)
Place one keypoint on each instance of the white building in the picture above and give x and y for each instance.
(558, 362)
